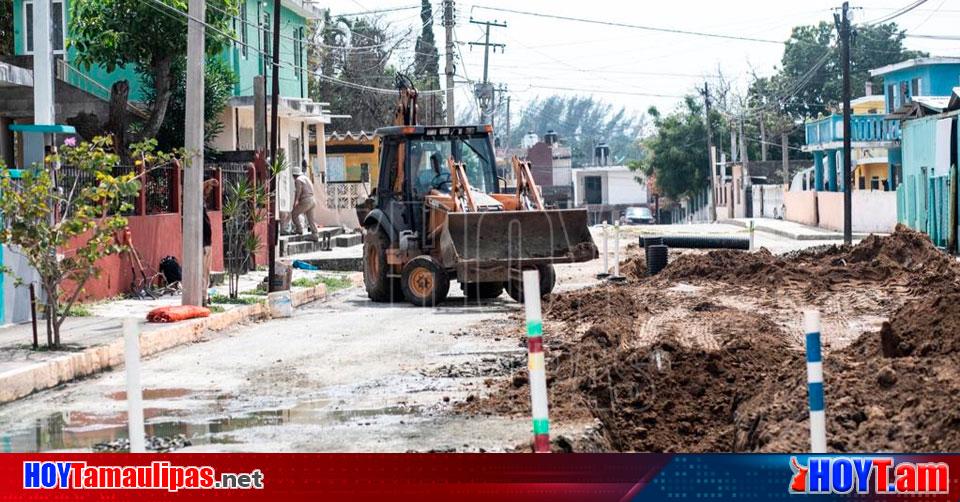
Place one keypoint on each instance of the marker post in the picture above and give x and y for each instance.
(606, 268)
(535, 362)
(616, 277)
(131, 336)
(818, 427)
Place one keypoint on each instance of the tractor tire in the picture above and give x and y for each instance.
(548, 279)
(424, 282)
(482, 290)
(380, 287)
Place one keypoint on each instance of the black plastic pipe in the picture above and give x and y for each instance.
(697, 242)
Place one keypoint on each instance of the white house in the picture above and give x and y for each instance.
(606, 191)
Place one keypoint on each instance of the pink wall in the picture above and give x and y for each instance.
(872, 211)
(154, 237)
(801, 207)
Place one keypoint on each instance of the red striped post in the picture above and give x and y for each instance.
(537, 372)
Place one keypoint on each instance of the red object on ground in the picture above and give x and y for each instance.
(177, 313)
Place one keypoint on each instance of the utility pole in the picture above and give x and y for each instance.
(506, 141)
(763, 138)
(485, 91)
(273, 225)
(194, 290)
(713, 169)
(448, 23)
(843, 25)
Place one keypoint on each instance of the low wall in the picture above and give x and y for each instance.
(872, 211)
(154, 237)
(767, 201)
(801, 207)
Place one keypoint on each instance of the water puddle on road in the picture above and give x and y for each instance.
(82, 430)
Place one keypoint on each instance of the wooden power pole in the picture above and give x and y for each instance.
(194, 290)
(711, 199)
(448, 24)
(843, 25)
(273, 225)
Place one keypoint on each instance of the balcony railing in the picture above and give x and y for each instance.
(864, 128)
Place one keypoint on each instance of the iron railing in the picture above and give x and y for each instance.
(873, 128)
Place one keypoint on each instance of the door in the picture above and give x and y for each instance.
(592, 190)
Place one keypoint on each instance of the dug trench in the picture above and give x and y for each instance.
(708, 356)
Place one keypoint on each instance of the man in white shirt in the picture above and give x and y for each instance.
(303, 202)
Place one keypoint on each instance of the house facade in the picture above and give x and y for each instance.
(607, 191)
(923, 96)
(249, 55)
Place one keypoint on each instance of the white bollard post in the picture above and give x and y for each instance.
(616, 249)
(606, 267)
(751, 235)
(535, 362)
(131, 336)
(818, 426)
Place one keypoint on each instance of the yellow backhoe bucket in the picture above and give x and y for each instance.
(519, 238)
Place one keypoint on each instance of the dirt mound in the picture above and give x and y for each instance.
(927, 326)
(905, 258)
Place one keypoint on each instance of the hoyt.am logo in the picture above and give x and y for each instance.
(874, 475)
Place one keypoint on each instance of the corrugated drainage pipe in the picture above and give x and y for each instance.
(657, 256)
(698, 242)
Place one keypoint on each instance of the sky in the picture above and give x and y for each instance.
(627, 67)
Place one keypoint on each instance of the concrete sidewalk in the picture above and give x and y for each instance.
(95, 343)
(790, 229)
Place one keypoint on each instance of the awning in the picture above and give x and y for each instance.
(308, 111)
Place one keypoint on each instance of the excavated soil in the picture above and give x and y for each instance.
(708, 355)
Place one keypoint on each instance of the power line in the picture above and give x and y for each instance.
(170, 10)
(601, 91)
(378, 11)
(896, 14)
(674, 31)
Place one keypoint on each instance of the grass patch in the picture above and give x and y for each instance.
(79, 311)
(333, 283)
(226, 300)
(216, 309)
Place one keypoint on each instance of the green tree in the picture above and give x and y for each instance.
(677, 152)
(114, 33)
(63, 228)
(364, 61)
(6, 27)
(581, 122)
(426, 64)
(218, 85)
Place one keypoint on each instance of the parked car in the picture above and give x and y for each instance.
(639, 216)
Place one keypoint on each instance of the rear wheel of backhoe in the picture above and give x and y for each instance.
(380, 287)
(548, 279)
(424, 282)
(482, 290)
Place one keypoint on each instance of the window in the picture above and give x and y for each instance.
(267, 38)
(428, 162)
(915, 87)
(891, 102)
(56, 26)
(243, 29)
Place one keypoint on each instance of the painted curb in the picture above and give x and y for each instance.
(827, 235)
(21, 382)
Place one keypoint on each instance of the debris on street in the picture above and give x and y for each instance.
(708, 355)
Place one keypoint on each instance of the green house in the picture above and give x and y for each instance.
(82, 91)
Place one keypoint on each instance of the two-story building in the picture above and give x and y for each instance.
(82, 92)
(82, 99)
(922, 95)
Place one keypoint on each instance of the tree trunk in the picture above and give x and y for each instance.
(56, 316)
(117, 123)
(161, 78)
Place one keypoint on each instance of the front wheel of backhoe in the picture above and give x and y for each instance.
(424, 282)
(548, 279)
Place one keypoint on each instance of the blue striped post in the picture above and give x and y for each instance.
(535, 362)
(818, 420)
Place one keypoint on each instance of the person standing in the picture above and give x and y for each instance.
(209, 186)
(303, 202)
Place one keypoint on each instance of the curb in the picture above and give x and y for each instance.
(825, 236)
(21, 382)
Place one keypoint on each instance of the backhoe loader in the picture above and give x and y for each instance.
(440, 212)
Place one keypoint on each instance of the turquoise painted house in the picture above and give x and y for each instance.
(87, 91)
(923, 95)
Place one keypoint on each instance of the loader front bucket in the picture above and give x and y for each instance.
(519, 238)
